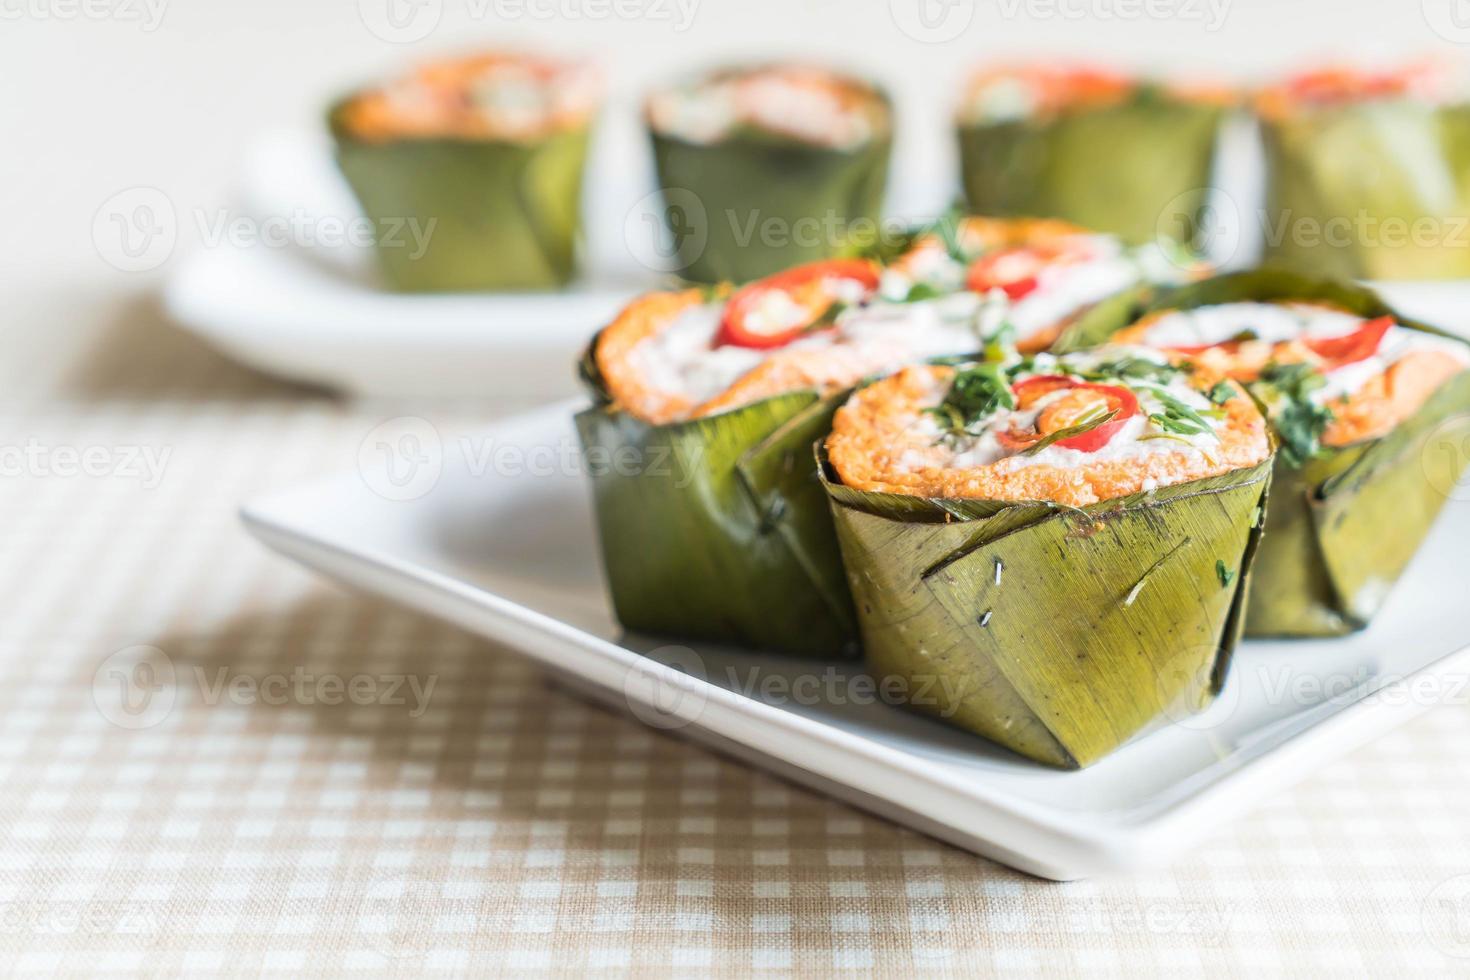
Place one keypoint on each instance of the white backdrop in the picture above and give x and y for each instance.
(170, 93)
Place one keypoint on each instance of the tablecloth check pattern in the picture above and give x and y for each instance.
(508, 826)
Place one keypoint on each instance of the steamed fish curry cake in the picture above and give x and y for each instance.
(802, 103)
(1329, 377)
(1074, 430)
(493, 96)
(826, 325)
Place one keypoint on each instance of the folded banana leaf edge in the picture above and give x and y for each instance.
(1060, 633)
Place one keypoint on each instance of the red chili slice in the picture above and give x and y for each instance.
(1017, 270)
(1350, 348)
(1060, 414)
(811, 287)
(1359, 345)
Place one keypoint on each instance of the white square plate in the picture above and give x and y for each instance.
(494, 531)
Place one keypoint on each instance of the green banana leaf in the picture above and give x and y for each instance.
(1104, 318)
(753, 205)
(1138, 170)
(1342, 527)
(505, 215)
(1060, 633)
(716, 528)
(1347, 187)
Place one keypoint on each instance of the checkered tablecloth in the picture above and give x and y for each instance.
(184, 789)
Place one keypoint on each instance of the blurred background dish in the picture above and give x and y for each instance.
(470, 170)
(769, 166)
(1368, 171)
(315, 311)
(1091, 145)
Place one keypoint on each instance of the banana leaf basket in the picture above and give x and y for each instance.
(1375, 190)
(1344, 524)
(1139, 169)
(754, 204)
(492, 214)
(1059, 633)
(716, 528)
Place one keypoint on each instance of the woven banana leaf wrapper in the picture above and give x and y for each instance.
(717, 528)
(1373, 191)
(752, 205)
(1138, 170)
(1342, 527)
(1059, 633)
(493, 214)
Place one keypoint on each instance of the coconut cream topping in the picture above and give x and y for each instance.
(1282, 323)
(489, 96)
(1075, 430)
(1063, 289)
(1009, 93)
(807, 104)
(682, 358)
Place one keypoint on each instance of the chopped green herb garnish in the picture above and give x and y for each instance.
(1001, 345)
(1226, 575)
(975, 394)
(1026, 365)
(1096, 418)
(948, 230)
(1221, 393)
(1299, 421)
(1177, 416)
(921, 291)
(1133, 369)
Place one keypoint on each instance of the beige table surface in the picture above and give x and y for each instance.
(507, 826)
